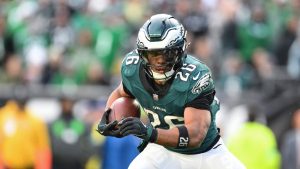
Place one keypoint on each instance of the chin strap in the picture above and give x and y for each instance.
(162, 77)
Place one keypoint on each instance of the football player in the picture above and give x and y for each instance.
(177, 92)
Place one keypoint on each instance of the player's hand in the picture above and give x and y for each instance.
(133, 125)
(108, 129)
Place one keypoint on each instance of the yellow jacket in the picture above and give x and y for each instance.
(255, 145)
(24, 139)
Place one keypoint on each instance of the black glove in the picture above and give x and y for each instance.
(133, 125)
(142, 146)
(108, 129)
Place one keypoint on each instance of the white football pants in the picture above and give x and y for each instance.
(155, 156)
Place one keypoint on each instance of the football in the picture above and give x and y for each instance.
(124, 107)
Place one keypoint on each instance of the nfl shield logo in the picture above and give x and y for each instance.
(155, 97)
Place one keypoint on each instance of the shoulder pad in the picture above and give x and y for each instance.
(203, 84)
(180, 86)
(130, 64)
(194, 76)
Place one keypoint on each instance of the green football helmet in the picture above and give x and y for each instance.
(162, 35)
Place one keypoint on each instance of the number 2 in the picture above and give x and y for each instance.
(167, 119)
(187, 67)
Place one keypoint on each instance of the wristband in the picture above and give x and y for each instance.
(152, 134)
(183, 139)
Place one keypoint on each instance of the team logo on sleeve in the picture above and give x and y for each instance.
(202, 84)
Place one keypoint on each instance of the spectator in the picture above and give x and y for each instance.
(293, 65)
(96, 75)
(12, 72)
(7, 46)
(110, 39)
(72, 136)
(83, 60)
(291, 145)
(263, 67)
(62, 34)
(24, 141)
(255, 33)
(284, 41)
(235, 75)
(255, 144)
(52, 68)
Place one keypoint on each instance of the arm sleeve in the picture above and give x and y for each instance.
(203, 101)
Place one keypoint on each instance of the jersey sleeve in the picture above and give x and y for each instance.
(130, 71)
(202, 101)
(127, 91)
(202, 85)
(202, 89)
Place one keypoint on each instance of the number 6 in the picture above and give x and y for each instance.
(132, 60)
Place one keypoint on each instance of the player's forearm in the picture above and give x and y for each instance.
(197, 122)
(167, 137)
(170, 137)
(197, 133)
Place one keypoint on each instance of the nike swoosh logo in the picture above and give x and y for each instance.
(216, 146)
(196, 77)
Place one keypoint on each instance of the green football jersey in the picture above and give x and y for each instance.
(192, 80)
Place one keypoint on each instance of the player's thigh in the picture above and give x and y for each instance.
(219, 157)
(154, 157)
(141, 163)
(187, 161)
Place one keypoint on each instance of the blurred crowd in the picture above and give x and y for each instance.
(252, 48)
(81, 41)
